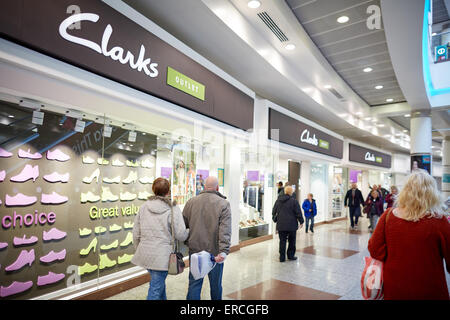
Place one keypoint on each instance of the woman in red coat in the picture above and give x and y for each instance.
(413, 240)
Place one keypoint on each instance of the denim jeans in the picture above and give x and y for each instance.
(373, 221)
(215, 284)
(355, 213)
(157, 288)
(308, 220)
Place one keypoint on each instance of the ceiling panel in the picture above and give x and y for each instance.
(440, 12)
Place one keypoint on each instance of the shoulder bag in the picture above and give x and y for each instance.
(176, 263)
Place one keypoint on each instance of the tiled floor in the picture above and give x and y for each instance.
(329, 266)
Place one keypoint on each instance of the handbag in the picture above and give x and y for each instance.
(176, 263)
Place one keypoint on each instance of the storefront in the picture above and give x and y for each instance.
(89, 117)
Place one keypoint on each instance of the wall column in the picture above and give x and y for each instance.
(421, 141)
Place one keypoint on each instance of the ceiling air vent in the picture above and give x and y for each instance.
(337, 94)
(264, 16)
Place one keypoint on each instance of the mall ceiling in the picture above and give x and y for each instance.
(440, 11)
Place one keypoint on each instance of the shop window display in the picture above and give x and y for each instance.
(319, 188)
(338, 193)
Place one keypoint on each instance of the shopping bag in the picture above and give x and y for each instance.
(372, 280)
(201, 263)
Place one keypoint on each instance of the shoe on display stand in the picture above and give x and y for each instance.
(92, 245)
(110, 246)
(53, 256)
(53, 198)
(57, 177)
(128, 240)
(86, 268)
(132, 177)
(107, 195)
(19, 200)
(25, 257)
(28, 155)
(5, 154)
(24, 241)
(93, 176)
(14, 288)
(85, 232)
(88, 160)
(50, 278)
(53, 234)
(117, 163)
(105, 262)
(89, 197)
(27, 173)
(57, 155)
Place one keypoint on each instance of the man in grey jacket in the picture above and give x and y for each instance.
(208, 217)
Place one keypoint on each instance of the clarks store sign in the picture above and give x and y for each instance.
(301, 135)
(111, 45)
(368, 156)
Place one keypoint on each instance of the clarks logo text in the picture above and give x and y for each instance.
(370, 157)
(310, 140)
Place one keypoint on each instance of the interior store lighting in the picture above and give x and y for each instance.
(389, 100)
(407, 115)
(327, 86)
(368, 69)
(290, 46)
(343, 19)
(379, 87)
(254, 4)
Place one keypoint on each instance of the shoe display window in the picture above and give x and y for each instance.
(319, 189)
(338, 192)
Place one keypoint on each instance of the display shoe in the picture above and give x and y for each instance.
(28, 155)
(89, 197)
(99, 230)
(57, 177)
(3, 245)
(93, 176)
(127, 196)
(132, 164)
(102, 161)
(147, 163)
(24, 241)
(25, 257)
(2, 175)
(124, 258)
(53, 256)
(27, 173)
(50, 278)
(112, 180)
(146, 180)
(14, 288)
(85, 232)
(105, 262)
(5, 154)
(92, 245)
(143, 195)
(132, 177)
(19, 200)
(117, 163)
(107, 195)
(53, 198)
(112, 245)
(86, 268)
(87, 160)
(128, 240)
(53, 234)
(114, 228)
(57, 155)
(128, 225)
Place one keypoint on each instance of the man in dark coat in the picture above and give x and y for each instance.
(287, 214)
(354, 200)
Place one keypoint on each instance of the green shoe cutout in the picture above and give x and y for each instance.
(115, 227)
(105, 262)
(128, 240)
(93, 244)
(100, 229)
(124, 258)
(85, 232)
(86, 268)
(128, 225)
(114, 244)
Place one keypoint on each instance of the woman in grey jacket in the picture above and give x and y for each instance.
(152, 237)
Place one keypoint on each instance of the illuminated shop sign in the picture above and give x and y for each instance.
(368, 156)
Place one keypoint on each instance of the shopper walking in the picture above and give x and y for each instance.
(280, 188)
(412, 240)
(152, 237)
(310, 209)
(208, 217)
(353, 200)
(390, 198)
(287, 214)
(374, 208)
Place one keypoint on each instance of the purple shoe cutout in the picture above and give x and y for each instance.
(24, 241)
(15, 287)
(28, 155)
(53, 198)
(4, 153)
(3, 245)
(25, 257)
(27, 173)
(53, 234)
(50, 278)
(19, 200)
(53, 256)
(2, 175)
(57, 155)
(56, 177)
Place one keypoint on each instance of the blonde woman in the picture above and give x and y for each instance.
(412, 240)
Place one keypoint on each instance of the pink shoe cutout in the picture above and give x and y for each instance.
(2, 175)
(4, 153)
(57, 155)
(27, 173)
(53, 256)
(50, 278)
(24, 241)
(28, 155)
(3, 245)
(15, 287)
(53, 198)
(53, 234)
(19, 200)
(25, 257)
(56, 177)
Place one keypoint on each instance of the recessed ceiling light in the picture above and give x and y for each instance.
(327, 86)
(343, 19)
(433, 34)
(389, 100)
(380, 125)
(379, 87)
(405, 131)
(368, 118)
(10, 116)
(290, 46)
(407, 115)
(254, 4)
(359, 113)
(368, 69)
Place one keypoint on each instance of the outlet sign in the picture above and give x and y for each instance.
(101, 40)
(368, 156)
(299, 134)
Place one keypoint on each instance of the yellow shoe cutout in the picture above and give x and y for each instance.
(100, 229)
(127, 196)
(88, 160)
(108, 196)
(143, 195)
(94, 176)
(128, 240)
(93, 244)
(86, 268)
(132, 177)
(124, 258)
(128, 225)
(117, 163)
(105, 262)
(85, 232)
(112, 245)
(132, 164)
(103, 161)
(115, 227)
(146, 180)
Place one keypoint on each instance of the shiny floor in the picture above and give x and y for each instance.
(329, 267)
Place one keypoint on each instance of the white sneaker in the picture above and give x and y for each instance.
(89, 197)
(103, 161)
(88, 160)
(107, 195)
(147, 163)
(117, 163)
(146, 180)
(132, 177)
(143, 195)
(127, 196)
(112, 180)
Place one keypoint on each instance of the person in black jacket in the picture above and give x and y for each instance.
(354, 200)
(287, 214)
(280, 187)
